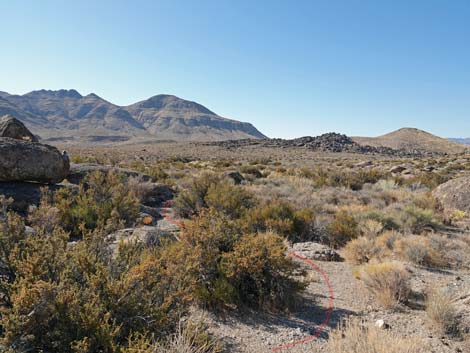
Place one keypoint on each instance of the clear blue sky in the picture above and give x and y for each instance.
(292, 68)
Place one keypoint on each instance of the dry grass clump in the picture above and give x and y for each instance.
(388, 281)
(420, 251)
(362, 250)
(353, 337)
(442, 312)
(190, 337)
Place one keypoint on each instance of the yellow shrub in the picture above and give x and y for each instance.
(388, 281)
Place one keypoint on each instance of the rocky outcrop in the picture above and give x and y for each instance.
(454, 194)
(26, 161)
(330, 142)
(13, 128)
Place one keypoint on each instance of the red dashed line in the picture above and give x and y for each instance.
(168, 217)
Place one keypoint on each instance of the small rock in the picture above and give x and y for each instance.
(381, 324)
(397, 169)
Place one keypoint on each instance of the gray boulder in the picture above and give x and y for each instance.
(13, 128)
(25, 161)
(454, 194)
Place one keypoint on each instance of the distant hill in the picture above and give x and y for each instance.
(67, 115)
(463, 141)
(411, 139)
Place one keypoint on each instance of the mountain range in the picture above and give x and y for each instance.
(66, 115)
(463, 141)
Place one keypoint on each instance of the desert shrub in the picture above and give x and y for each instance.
(190, 337)
(343, 229)
(388, 239)
(261, 273)
(361, 250)
(231, 269)
(353, 336)
(280, 217)
(252, 171)
(58, 297)
(442, 312)
(388, 281)
(104, 200)
(418, 220)
(388, 222)
(431, 180)
(191, 201)
(370, 228)
(209, 190)
(354, 180)
(229, 199)
(418, 250)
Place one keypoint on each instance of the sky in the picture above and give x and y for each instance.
(292, 68)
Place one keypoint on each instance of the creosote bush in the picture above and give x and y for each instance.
(60, 297)
(104, 200)
(231, 269)
(343, 229)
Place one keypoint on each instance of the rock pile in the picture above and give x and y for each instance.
(330, 142)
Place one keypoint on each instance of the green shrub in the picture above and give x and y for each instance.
(261, 273)
(232, 269)
(104, 200)
(280, 217)
(191, 201)
(418, 220)
(343, 229)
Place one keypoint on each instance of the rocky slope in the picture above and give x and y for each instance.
(67, 115)
(411, 139)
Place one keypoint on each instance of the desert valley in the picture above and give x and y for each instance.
(164, 227)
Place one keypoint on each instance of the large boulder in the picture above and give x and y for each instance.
(13, 128)
(25, 161)
(454, 194)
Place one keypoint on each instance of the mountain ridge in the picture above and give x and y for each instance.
(66, 114)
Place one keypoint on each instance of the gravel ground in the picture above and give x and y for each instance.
(256, 333)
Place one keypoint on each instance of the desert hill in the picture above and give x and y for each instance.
(67, 115)
(412, 139)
